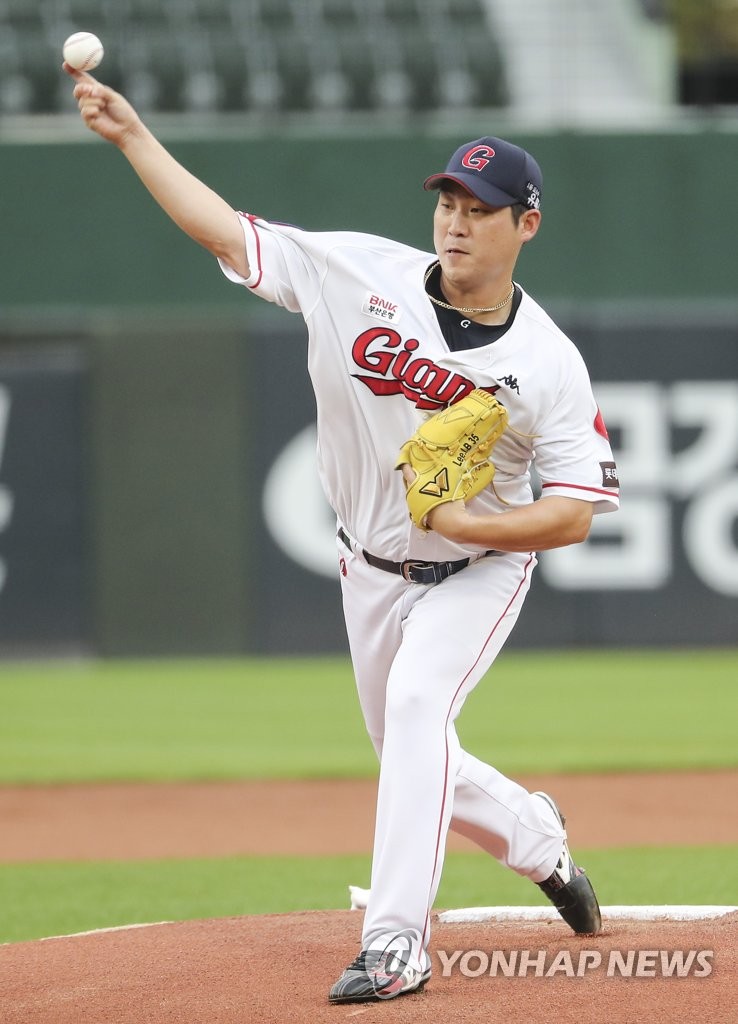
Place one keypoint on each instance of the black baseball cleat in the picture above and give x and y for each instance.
(570, 890)
(374, 976)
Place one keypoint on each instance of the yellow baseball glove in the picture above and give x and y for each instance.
(450, 453)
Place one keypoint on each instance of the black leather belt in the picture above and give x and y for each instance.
(412, 569)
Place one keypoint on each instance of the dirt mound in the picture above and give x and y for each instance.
(280, 967)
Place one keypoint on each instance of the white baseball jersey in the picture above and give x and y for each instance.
(379, 363)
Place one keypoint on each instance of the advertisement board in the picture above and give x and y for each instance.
(44, 586)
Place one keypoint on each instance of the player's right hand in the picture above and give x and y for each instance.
(103, 109)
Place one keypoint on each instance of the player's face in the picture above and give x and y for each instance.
(475, 243)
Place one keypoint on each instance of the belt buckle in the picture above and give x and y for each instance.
(406, 569)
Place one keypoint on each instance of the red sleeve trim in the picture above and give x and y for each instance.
(612, 493)
(260, 270)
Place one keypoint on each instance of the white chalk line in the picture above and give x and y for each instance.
(686, 912)
(615, 913)
(105, 931)
(94, 931)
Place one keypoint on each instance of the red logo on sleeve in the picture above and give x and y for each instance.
(599, 425)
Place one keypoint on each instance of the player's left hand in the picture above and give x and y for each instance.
(447, 458)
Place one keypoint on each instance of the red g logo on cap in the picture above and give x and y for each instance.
(477, 158)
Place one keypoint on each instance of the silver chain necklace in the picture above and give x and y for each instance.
(464, 309)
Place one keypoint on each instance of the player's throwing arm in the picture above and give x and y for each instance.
(193, 206)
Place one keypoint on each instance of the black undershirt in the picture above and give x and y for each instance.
(471, 334)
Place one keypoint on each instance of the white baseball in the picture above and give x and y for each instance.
(83, 51)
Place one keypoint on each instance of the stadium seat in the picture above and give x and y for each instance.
(418, 59)
(38, 61)
(401, 13)
(62, 17)
(294, 64)
(16, 93)
(277, 15)
(349, 51)
(21, 14)
(341, 15)
(481, 58)
(16, 83)
(217, 13)
(262, 90)
(145, 15)
(155, 69)
(228, 61)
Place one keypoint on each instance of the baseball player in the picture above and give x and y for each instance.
(397, 336)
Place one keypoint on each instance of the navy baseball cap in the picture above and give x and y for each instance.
(495, 171)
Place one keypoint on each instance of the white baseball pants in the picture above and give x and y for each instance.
(417, 652)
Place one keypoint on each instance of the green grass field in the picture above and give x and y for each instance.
(58, 899)
(582, 712)
(290, 718)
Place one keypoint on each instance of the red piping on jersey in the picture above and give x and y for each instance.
(581, 487)
(251, 218)
(448, 716)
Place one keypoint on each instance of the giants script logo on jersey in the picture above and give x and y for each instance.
(477, 158)
(394, 370)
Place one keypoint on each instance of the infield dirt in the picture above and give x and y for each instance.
(209, 819)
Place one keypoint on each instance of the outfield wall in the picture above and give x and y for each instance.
(141, 459)
(647, 216)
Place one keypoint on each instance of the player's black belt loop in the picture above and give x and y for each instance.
(413, 570)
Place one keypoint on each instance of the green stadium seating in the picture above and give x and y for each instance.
(241, 55)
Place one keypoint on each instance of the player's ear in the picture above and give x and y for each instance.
(529, 223)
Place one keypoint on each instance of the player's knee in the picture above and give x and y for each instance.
(410, 702)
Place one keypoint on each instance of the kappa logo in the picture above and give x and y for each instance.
(383, 309)
(438, 486)
(510, 382)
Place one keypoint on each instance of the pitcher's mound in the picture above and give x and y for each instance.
(279, 968)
